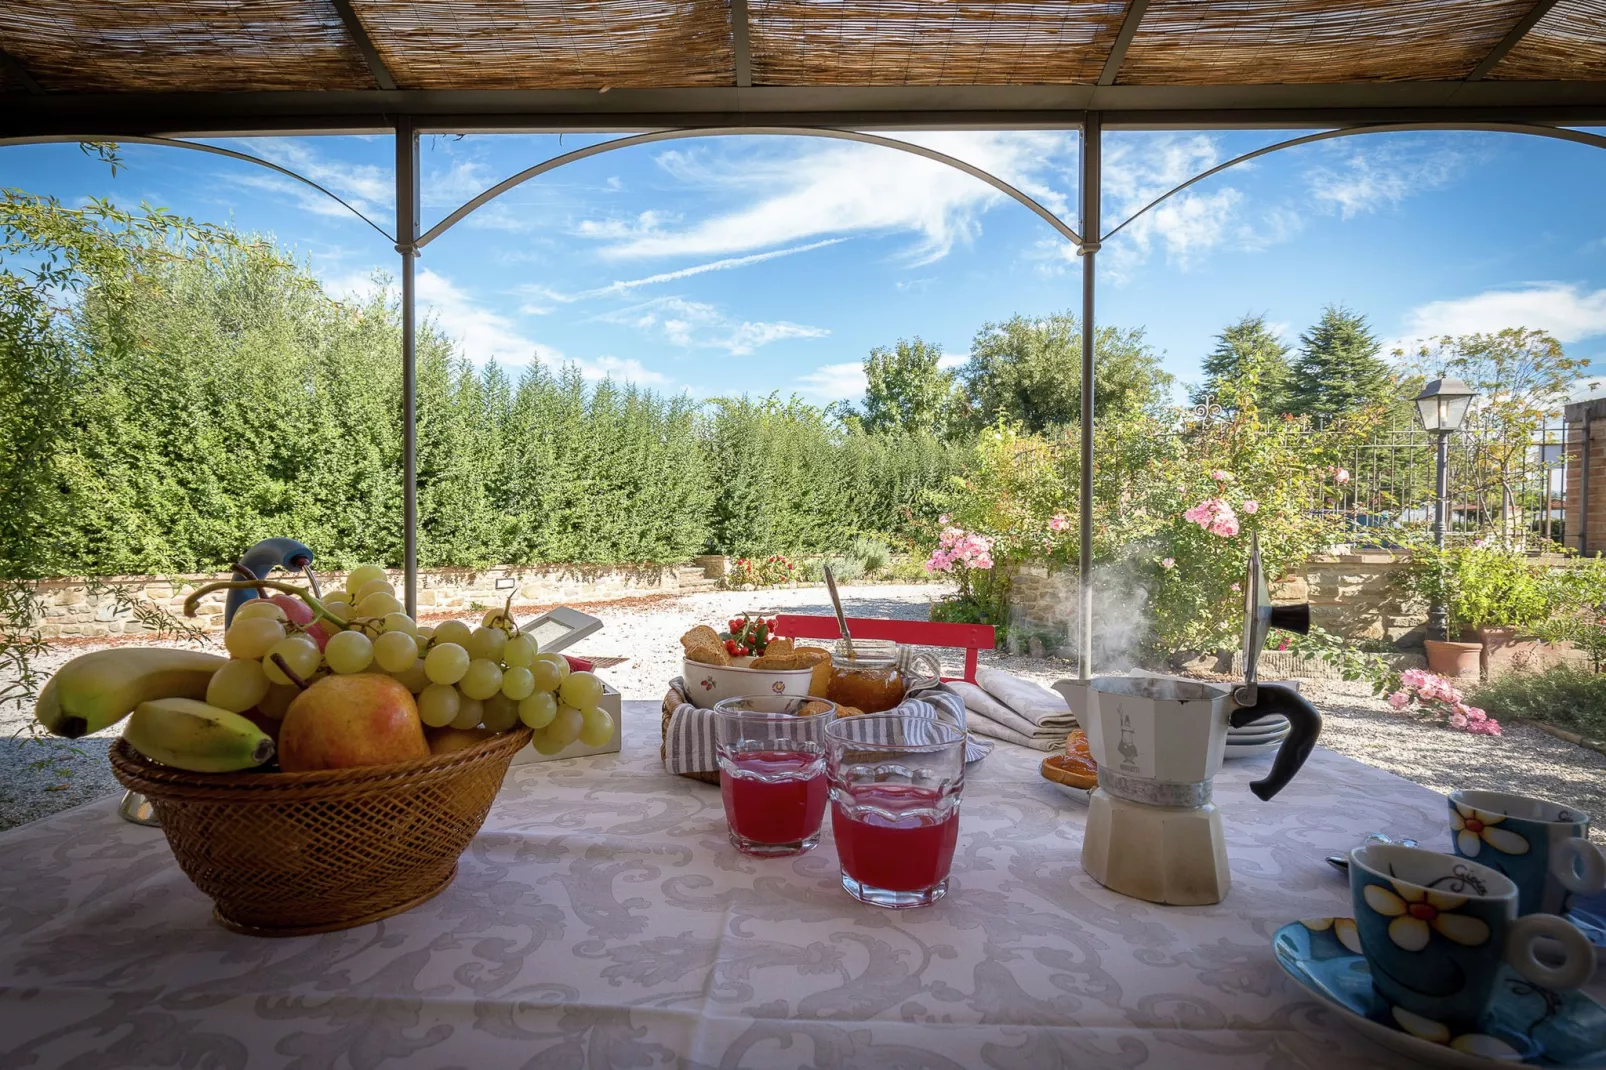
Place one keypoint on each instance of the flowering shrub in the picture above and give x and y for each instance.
(960, 549)
(1437, 701)
(773, 571)
(1214, 515)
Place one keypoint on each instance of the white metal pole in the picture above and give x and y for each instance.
(407, 221)
(1092, 143)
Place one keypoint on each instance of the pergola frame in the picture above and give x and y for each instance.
(848, 112)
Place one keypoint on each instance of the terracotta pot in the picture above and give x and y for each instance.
(1506, 650)
(1454, 660)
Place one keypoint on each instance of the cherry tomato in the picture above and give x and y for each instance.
(741, 652)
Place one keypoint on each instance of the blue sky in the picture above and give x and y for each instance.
(752, 264)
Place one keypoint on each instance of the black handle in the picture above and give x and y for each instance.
(1294, 617)
(1305, 725)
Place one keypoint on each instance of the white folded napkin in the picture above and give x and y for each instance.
(1034, 702)
(689, 739)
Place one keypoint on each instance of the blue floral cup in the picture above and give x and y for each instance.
(1543, 847)
(1435, 930)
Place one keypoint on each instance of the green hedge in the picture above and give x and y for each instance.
(217, 395)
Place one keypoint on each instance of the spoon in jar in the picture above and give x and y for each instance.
(841, 618)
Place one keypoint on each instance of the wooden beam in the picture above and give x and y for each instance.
(14, 67)
(1509, 41)
(365, 45)
(1129, 29)
(740, 48)
(1277, 107)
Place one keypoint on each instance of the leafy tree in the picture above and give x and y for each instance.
(1338, 371)
(1248, 366)
(909, 390)
(1029, 372)
(1522, 378)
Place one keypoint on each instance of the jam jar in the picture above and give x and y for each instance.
(869, 679)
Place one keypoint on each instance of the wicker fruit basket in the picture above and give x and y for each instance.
(289, 854)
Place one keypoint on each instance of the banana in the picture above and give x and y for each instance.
(96, 690)
(191, 735)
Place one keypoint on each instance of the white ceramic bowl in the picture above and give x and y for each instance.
(708, 684)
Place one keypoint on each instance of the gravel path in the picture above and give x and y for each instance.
(646, 632)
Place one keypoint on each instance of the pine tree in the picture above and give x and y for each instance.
(1249, 363)
(1338, 370)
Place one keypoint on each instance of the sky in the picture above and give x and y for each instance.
(752, 264)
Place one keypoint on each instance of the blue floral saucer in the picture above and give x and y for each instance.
(1591, 925)
(1527, 1025)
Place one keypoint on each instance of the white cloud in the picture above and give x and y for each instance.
(1565, 310)
(950, 361)
(696, 324)
(835, 382)
(801, 192)
(368, 188)
(620, 369)
(1373, 176)
(626, 285)
(481, 333)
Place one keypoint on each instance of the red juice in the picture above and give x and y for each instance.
(902, 844)
(774, 796)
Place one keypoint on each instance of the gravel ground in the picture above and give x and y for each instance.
(40, 777)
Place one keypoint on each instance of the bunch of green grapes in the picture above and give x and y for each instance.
(492, 675)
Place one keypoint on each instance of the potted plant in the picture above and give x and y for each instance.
(1489, 593)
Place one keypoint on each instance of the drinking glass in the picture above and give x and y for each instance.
(771, 751)
(896, 781)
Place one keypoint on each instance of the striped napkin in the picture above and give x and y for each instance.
(689, 736)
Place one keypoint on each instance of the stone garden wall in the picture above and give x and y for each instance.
(71, 609)
(1352, 595)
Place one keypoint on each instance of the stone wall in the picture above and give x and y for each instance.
(71, 610)
(1352, 595)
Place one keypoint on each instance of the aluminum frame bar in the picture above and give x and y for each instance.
(1092, 143)
(741, 47)
(1123, 40)
(491, 193)
(14, 67)
(408, 213)
(365, 44)
(1510, 40)
(860, 107)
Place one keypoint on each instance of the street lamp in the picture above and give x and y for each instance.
(1442, 407)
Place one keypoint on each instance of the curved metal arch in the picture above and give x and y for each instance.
(1559, 133)
(719, 131)
(179, 143)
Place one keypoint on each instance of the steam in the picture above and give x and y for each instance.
(1121, 620)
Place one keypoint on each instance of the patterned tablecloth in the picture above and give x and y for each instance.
(601, 919)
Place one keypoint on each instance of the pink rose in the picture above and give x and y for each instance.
(1399, 700)
(1251, 506)
(944, 518)
(1237, 589)
(1221, 476)
(1058, 522)
(1458, 720)
(1168, 562)
(1341, 476)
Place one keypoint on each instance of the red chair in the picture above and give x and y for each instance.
(970, 638)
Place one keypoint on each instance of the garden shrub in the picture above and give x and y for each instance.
(1564, 696)
(872, 555)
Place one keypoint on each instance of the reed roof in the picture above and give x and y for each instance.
(63, 47)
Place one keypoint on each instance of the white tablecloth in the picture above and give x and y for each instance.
(601, 919)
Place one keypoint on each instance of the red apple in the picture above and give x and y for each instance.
(342, 722)
(298, 612)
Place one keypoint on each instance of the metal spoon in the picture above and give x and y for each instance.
(841, 618)
(1341, 862)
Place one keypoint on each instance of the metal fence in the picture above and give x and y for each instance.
(1513, 489)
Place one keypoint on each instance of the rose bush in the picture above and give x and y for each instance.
(1436, 701)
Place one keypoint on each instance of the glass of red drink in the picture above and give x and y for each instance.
(896, 782)
(771, 751)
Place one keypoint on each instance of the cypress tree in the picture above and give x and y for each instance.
(1338, 370)
(1249, 364)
